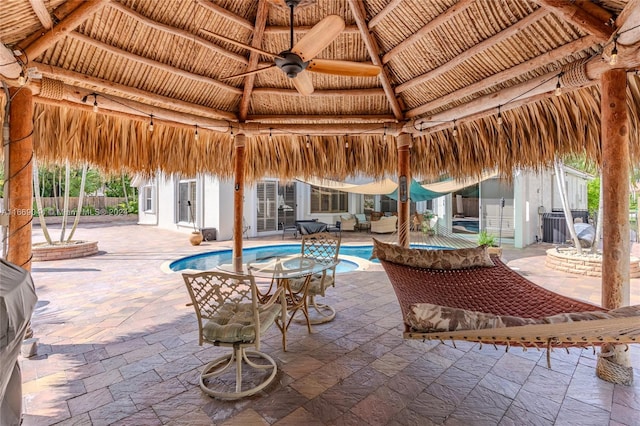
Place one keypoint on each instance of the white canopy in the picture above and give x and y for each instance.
(387, 186)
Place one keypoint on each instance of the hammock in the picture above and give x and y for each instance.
(501, 291)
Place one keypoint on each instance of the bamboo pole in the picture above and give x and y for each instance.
(258, 33)
(615, 180)
(19, 177)
(238, 199)
(404, 174)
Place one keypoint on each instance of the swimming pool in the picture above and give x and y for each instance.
(351, 257)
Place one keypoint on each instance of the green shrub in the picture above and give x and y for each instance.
(485, 238)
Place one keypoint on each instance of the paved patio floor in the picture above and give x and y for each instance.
(118, 345)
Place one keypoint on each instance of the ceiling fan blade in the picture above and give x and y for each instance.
(237, 43)
(244, 74)
(318, 37)
(303, 83)
(346, 68)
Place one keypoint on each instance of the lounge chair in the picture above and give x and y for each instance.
(348, 222)
(386, 225)
(363, 223)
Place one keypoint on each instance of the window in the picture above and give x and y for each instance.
(186, 196)
(325, 200)
(147, 199)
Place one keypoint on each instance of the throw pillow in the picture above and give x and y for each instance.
(433, 259)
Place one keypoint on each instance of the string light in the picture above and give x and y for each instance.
(308, 141)
(346, 142)
(614, 53)
(499, 116)
(95, 102)
(455, 129)
(22, 80)
(196, 136)
(151, 123)
(558, 90)
(384, 135)
(270, 136)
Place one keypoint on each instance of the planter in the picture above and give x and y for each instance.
(566, 260)
(72, 249)
(196, 238)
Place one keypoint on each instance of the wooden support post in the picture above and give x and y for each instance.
(614, 363)
(404, 185)
(19, 177)
(238, 199)
(615, 181)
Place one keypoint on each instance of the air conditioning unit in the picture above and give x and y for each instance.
(208, 234)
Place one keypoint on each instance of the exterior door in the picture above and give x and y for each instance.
(267, 203)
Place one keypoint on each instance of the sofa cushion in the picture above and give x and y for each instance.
(433, 259)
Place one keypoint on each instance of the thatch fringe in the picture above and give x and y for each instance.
(530, 137)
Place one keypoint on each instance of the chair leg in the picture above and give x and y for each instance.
(325, 312)
(237, 358)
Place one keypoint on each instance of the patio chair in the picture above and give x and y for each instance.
(322, 247)
(363, 223)
(229, 315)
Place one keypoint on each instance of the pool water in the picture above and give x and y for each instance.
(209, 260)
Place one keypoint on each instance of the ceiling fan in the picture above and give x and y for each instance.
(301, 56)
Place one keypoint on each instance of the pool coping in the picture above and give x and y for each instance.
(362, 264)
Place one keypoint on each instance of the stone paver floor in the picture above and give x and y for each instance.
(118, 345)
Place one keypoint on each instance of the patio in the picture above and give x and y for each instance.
(119, 346)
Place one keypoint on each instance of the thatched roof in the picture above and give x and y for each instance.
(445, 64)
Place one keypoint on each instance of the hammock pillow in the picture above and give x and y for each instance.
(428, 318)
(433, 259)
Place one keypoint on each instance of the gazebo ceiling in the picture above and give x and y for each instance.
(448, 70)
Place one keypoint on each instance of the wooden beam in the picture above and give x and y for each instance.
(359, 14)
(388, 118)
(238, 199)
(318, 93)
(570, 12)
(615, 181)
(384, 12)
(475, 50)
(9, 66)
(60, 13)
(256, 41)
(42, 13)
(457, 8)
(544, 84)
(110, 88)
(537, 62)
(150, 62)
(404, 173)
(328, 129)
(219, 10)
(284, 29)
(628, 24)
(20, 186)
(127, 106)
(58, 32)
(529, 91)
(66, 8)
(178, 32)
(88, 107)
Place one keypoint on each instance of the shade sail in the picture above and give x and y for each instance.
(417, 192)
(390, 188)
(385, 186)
